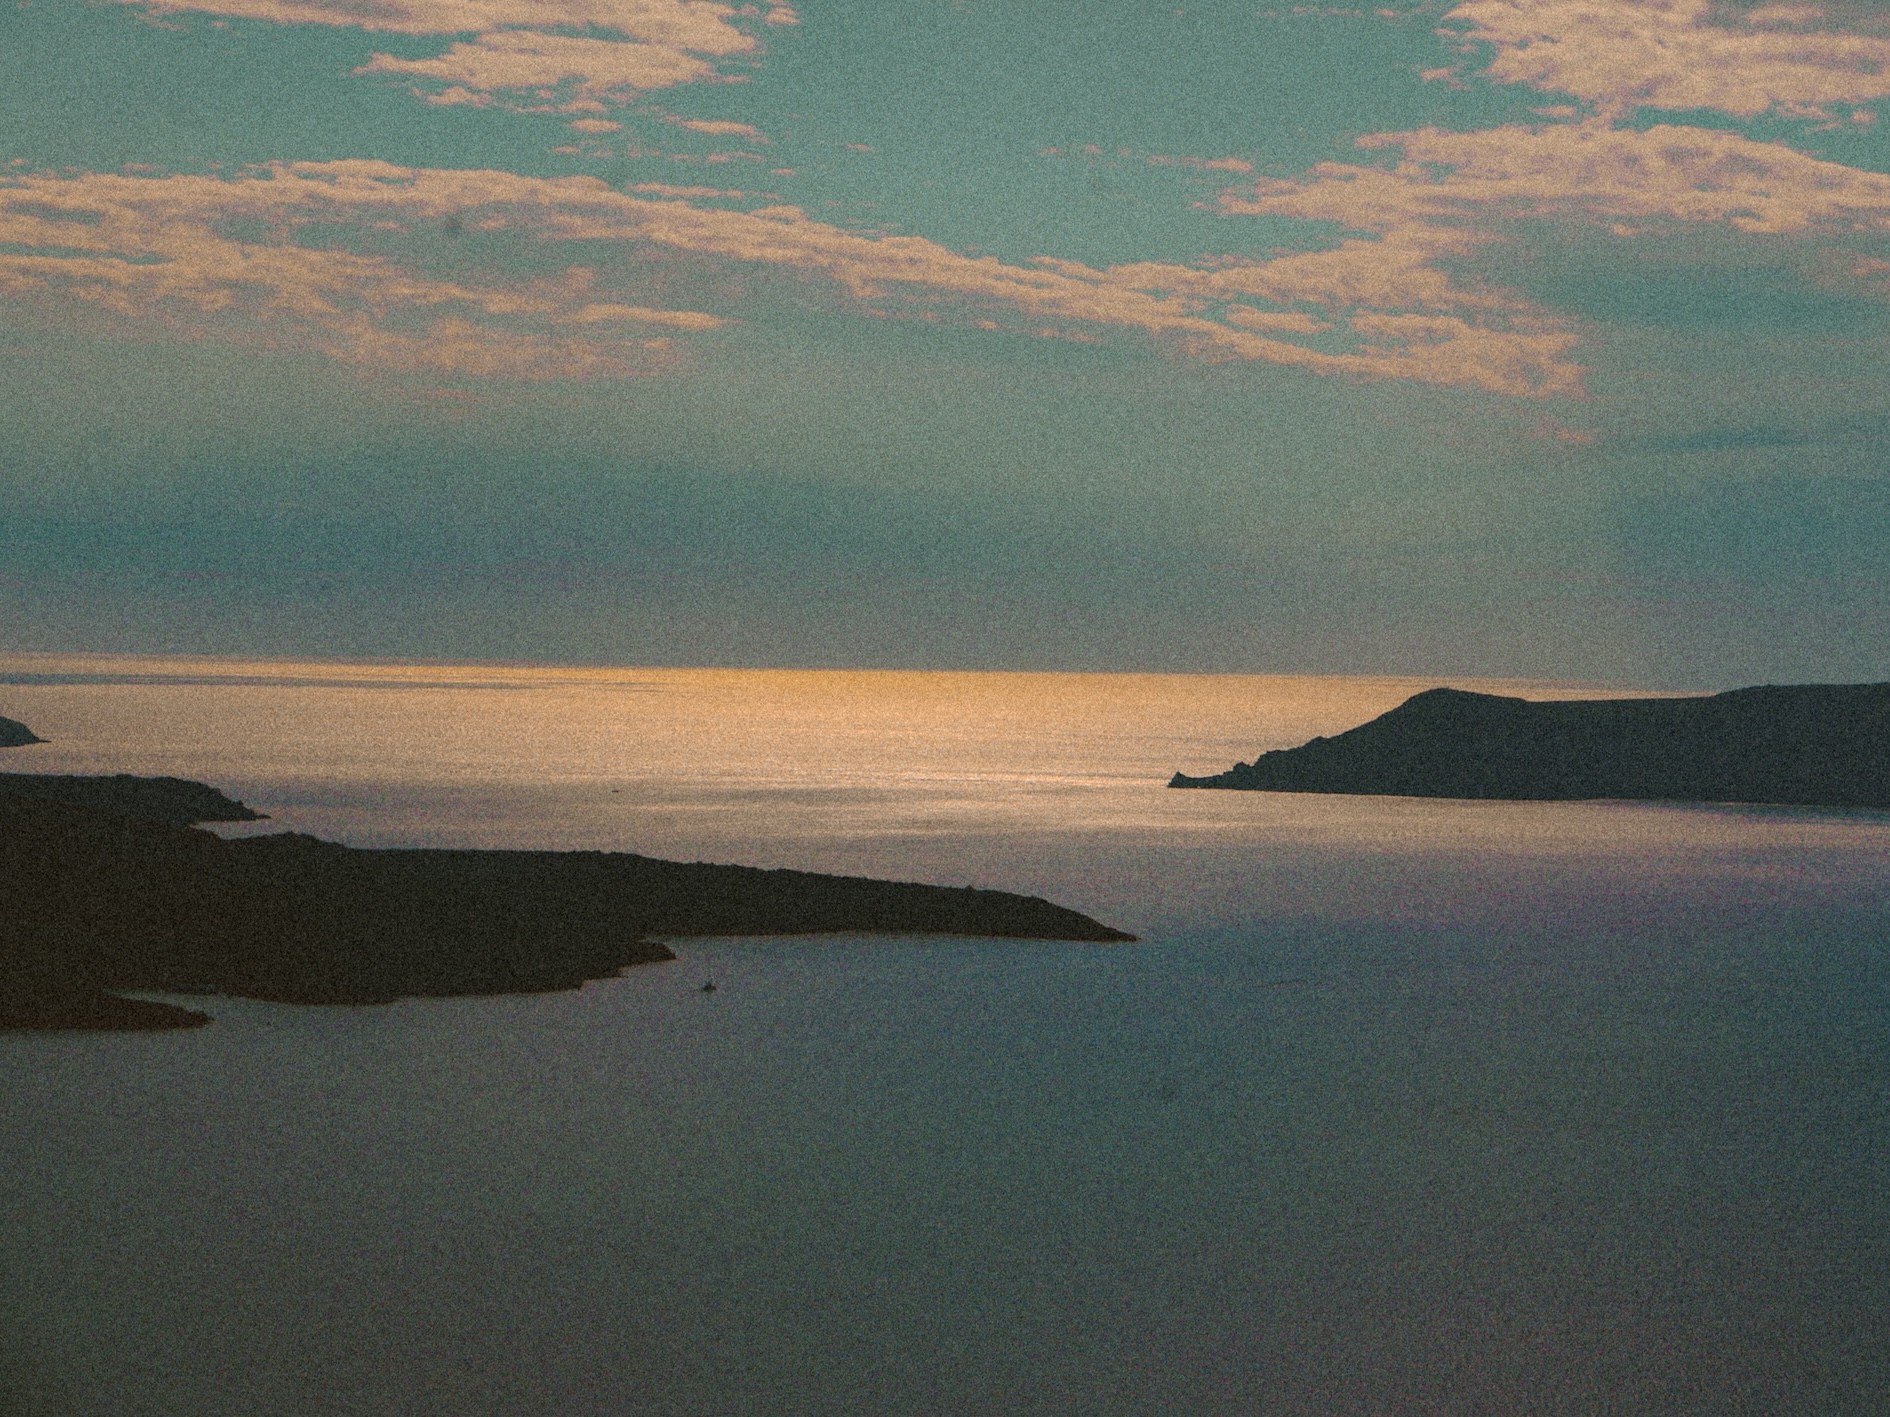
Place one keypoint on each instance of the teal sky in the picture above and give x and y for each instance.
(1510, 338)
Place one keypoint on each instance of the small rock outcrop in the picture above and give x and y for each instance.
(1822, 745)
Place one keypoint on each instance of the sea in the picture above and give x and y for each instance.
(1396, 1106)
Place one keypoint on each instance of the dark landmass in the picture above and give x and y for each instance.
(92, 1013)
(169, 801)
(94, 901)
(1820, 745)
(14, 734)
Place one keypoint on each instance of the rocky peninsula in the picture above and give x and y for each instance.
(1822, 745)
(103, 889)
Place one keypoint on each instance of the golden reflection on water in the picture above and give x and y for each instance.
(1011, 779)
(776, 726)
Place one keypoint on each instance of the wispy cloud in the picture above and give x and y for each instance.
(1680, 54)
(1418, 206)
(721, 128)
(223, 256)
(1415, 224)
(527, 69)
(1200, 164)
(700, 25)
(1447, 187)
(1392, 297)
(578, 55)
(1388, 299)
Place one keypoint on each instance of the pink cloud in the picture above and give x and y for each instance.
(1415, 223)
(702, 26)
(721, 127)
(668, 189)
(162, 250)
(626, 46)
(1680, 54)
(1448, 187)
(1205, 313)
(516, 60)
(157, 251)
(1200, 164)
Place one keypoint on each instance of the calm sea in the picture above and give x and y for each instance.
(1398, 1107)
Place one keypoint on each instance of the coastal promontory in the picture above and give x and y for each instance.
(1824, 745)
(169, 801)
(14, 734)
(97, 899)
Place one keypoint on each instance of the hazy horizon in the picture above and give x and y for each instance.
(42, 668)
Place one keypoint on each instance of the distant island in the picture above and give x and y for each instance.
(103, 889)
(14, 734)
(1820, 745)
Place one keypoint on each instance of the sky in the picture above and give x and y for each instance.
(1509, 337)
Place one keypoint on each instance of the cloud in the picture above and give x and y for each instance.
(1200, 164)
(1420, 208)
(220, 257)
(1679, 54)
(1205, 313)
(1446, 187)
(699, 25)
(721, 127)
(671, 189)
(525, 47)
(1435, 211)
(225, 257)
(558, 67)
(1392, 297)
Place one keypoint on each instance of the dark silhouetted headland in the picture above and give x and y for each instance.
(1823, 745)
(169, 801)
(96, 900)
(14, 734)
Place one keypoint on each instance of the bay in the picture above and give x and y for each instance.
(1397, 1105)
